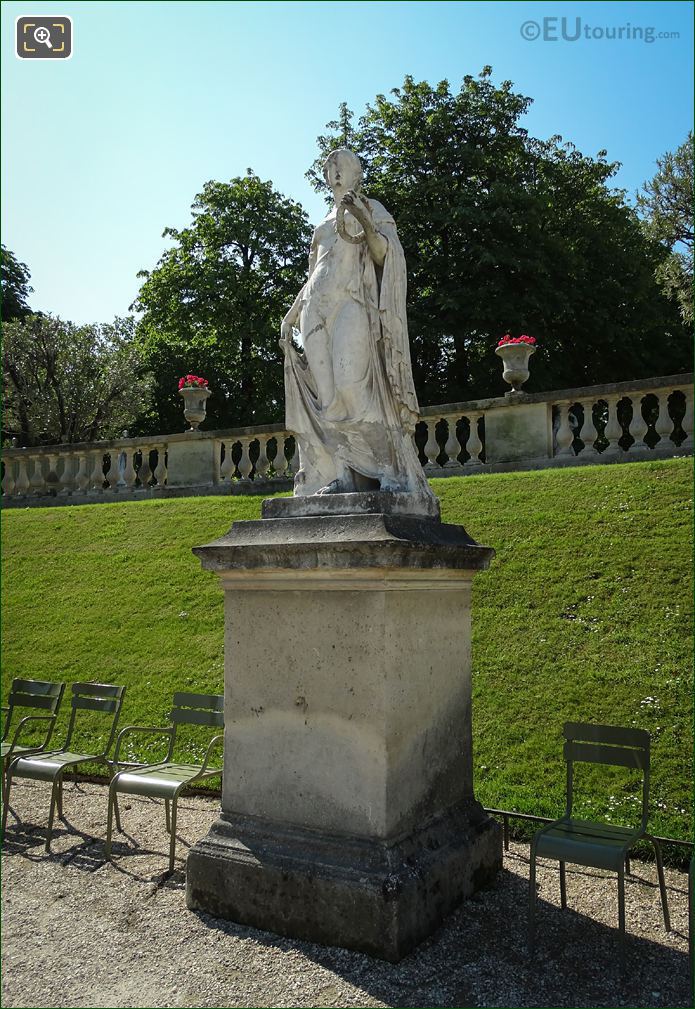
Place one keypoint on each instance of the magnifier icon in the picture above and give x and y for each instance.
(43, 35)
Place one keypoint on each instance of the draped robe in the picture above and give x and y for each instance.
(367, 427)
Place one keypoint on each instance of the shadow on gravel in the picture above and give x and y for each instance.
(478, 958)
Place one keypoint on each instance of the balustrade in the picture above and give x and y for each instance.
(599, 424)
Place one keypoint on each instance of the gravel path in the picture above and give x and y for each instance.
(80, 932)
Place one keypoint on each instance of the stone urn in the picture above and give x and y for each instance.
(515, 359)
(194, 404)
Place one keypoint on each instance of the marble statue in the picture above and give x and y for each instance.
(350, 398)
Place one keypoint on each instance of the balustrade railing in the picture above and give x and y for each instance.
(646, 419)
(98, 469)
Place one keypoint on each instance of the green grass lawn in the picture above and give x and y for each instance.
(585, 614)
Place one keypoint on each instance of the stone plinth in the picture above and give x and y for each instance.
(348, 814)
(518, 432)
(193, 460)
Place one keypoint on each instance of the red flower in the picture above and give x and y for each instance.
(506, 340)
(192, 382)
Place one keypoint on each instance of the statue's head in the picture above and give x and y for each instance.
(343, 169)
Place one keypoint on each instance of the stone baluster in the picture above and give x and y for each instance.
(67, 476)
(453, 446)
(638, 425)
(294, 460)
(22, 483)
(245, 464)
(145, 472)
(588, 432)
(432, 448)
(8, 478)
(474, 445)
(664, 423)
(52, 479)
(82, 474)
(263, 462)
(613, 431)
(37, 481)
(565, 435)
(227, 467)
(113, 474)
(280, 460)
(129, 473)
(687, 422)
(96, 470)
(160, 470)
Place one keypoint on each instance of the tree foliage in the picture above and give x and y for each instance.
(667, 204)
(15, 286)
(214, 302)
(67, 383)
(506, 233)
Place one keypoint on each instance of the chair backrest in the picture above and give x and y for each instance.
(33, 694)
(607, 744)
(104, 698)
(197, 709)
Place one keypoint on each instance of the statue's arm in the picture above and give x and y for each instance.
(359, 208)
(292, 318)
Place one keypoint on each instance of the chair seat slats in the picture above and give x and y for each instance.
(24, 700)
(34, 687)
(104, 704)
(598, 753)
(214, 701)
(615, 735)
(98, 689)
(189, 716)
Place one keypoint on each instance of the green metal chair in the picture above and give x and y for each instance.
(168, 779)
(601, 845)
(26, 695)
(51, 765)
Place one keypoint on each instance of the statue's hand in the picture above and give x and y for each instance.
(286, 328)
(358, 207)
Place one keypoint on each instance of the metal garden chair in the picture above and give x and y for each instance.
(51, 765)
(601, 845)
(168, 779)
(26, 695)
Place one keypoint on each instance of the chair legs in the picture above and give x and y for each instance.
(662, 881)
(563, 886)
(621, 916)
(6, 798)
(112, 805)
(172, 839)
(56, 800)
(532, 902)
(167, 816)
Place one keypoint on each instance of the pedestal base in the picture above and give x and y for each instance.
(380, 897)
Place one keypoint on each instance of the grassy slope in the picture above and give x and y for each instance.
(584, 614)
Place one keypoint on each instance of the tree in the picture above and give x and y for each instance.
(214, 302)
(506, 233)
(67, 383)
(667, 205)
(15, 286)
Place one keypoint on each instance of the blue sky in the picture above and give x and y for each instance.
(103, 151)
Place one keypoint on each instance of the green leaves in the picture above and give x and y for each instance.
(214, 302)
(506, 233)
(67, 383)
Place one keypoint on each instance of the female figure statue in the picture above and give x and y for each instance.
(350, 398)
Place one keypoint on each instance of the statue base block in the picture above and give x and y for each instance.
(348, 812)
(382, 898)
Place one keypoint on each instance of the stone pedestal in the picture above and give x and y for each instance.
(519, 432)
(348, 814)
(193, 460)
